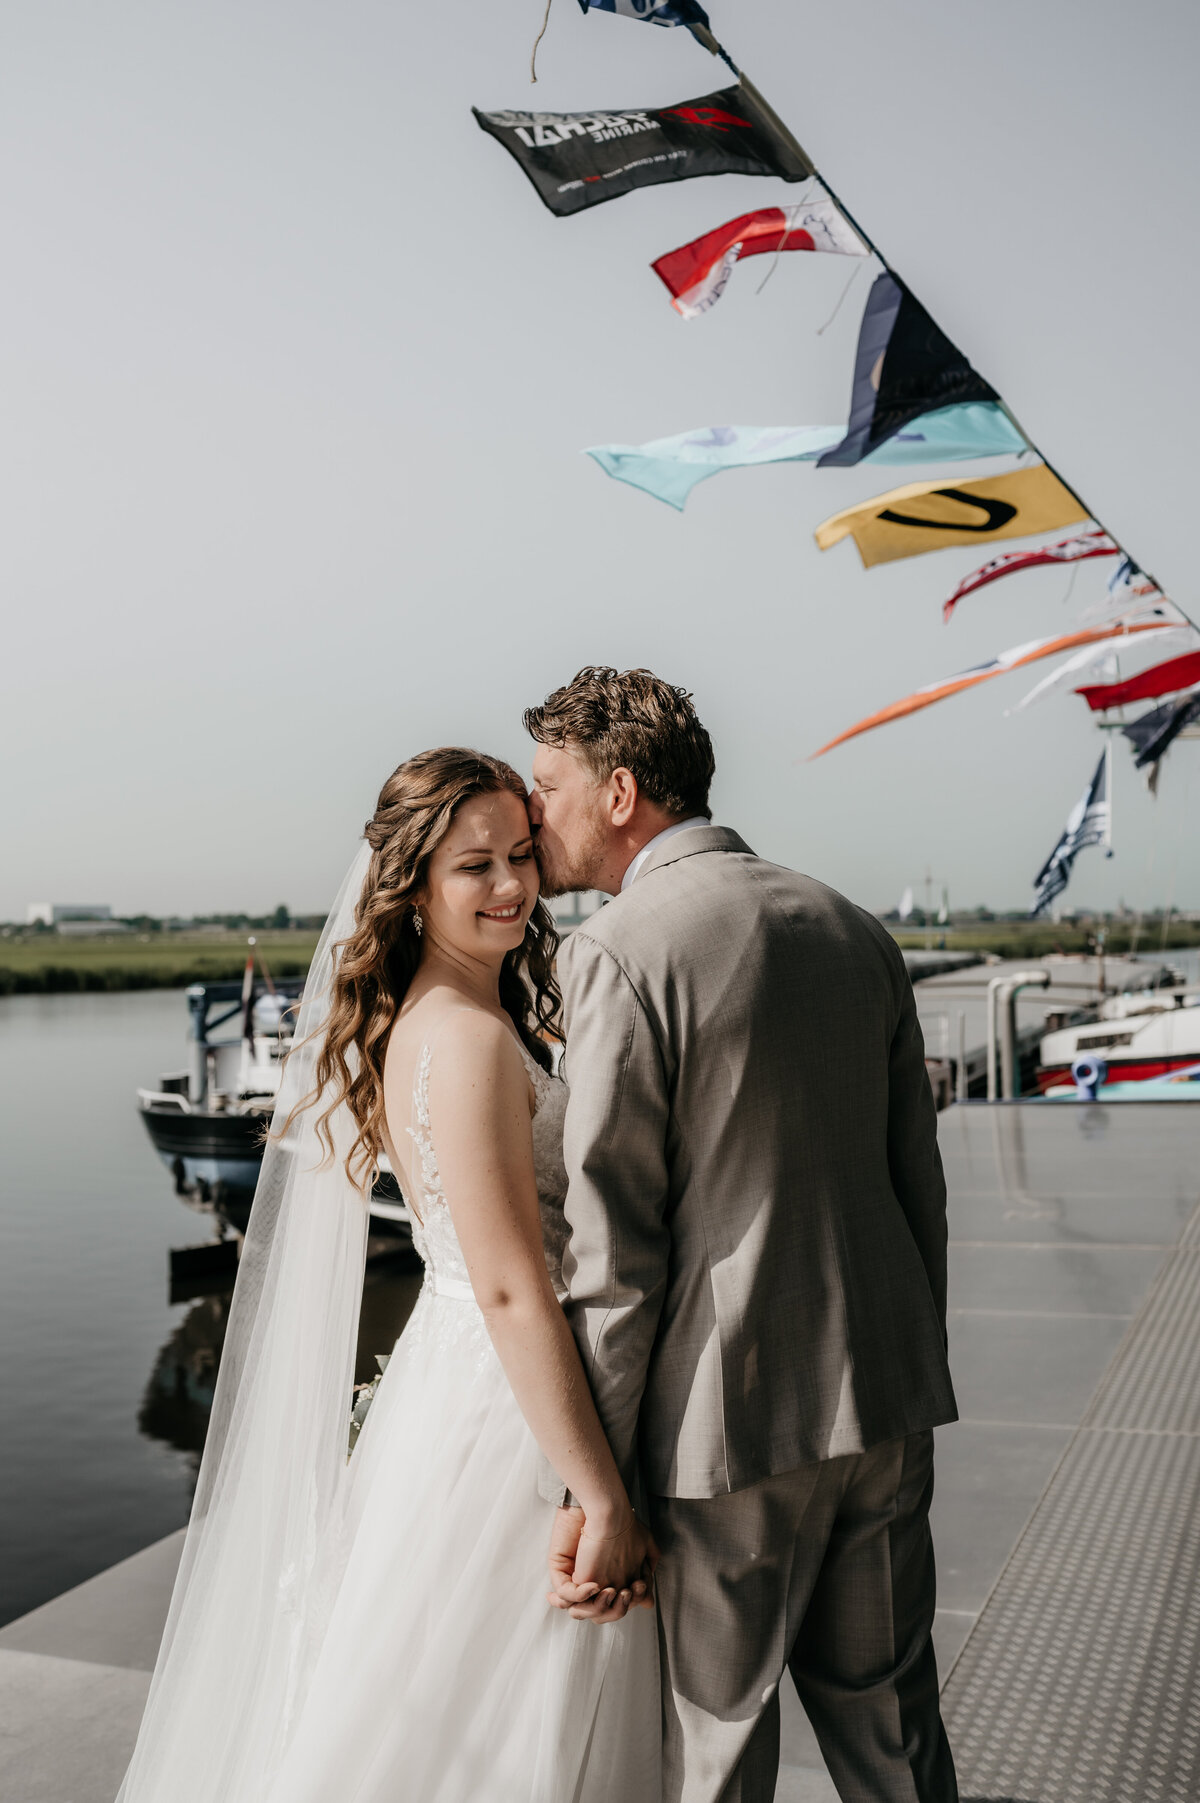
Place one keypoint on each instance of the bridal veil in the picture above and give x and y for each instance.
(248, 1608)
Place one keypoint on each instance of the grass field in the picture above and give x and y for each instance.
(46, 964)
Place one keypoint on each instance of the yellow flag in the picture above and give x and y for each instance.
(928, 516)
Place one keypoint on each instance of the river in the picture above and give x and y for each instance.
(105, 1381)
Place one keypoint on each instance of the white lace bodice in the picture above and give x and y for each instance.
(433, 1234)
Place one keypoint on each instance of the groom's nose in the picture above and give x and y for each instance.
(535, 810)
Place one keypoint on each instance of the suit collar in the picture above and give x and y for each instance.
(686, 845)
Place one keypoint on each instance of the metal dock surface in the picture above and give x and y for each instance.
(1067, 1513)
(1080, 1679)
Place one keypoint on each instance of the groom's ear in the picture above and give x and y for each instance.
(622, 796)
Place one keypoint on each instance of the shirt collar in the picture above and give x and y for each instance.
(668, 832)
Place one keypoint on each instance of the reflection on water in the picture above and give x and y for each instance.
(106, 1373)
(179, 1394)
(178, 1397)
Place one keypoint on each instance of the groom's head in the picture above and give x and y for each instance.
(621, 755)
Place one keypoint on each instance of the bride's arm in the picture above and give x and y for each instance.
(480, 1126)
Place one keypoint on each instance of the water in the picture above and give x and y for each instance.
(104, 1382)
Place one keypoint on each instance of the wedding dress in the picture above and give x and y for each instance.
(443, 1675)
(375, 1630)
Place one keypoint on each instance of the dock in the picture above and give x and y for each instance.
(1065, 1516)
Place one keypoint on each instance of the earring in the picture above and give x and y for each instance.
(418, 923)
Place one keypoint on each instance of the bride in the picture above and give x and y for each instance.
(376, 1631)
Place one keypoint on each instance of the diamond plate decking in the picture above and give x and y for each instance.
(1080, 1680)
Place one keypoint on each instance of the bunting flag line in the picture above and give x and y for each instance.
(928, 516)
(577, 160)
(669, 468)
(1089, 823)
(904, 366)
(696, 274)
(1151, 734)
(1161, 679)
(1105, 663)
(654, 12)
(1067, 550)
(1028, 653)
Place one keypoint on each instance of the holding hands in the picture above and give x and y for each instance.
(601, 1567)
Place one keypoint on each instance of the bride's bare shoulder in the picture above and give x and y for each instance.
(457, 1035)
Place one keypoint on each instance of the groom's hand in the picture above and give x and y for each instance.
(600, 1580)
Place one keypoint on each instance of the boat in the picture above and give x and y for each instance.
(209, 1123)
(1140, 1037)
(1091, 1085)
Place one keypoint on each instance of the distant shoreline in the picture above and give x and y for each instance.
(46, 965)
(51, 966)
(1038, 938)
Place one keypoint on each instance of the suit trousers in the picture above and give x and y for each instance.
(827, 1570)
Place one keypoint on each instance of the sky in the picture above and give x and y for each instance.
(297, 372)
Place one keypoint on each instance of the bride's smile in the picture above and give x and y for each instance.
(482, 883)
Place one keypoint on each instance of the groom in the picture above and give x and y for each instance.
(757, 1265)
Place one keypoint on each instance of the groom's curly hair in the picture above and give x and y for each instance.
(631, 720)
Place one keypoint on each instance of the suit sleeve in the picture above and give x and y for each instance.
(615, 1147)
(914, 1160)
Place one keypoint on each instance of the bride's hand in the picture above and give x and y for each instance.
(598, 1571)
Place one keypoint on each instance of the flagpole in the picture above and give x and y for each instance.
(776, 126)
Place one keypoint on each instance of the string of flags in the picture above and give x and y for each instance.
(915, 398)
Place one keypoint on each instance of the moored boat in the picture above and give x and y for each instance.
(1139, 1037)
(209, 1123)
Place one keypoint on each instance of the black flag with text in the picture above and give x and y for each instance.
(576, 160)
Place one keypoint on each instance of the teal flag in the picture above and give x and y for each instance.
(669, 468)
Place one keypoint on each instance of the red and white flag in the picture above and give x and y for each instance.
(1162, 679)
(696, 274)
(1067, 550)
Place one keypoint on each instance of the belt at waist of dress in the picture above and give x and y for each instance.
(455, 1287)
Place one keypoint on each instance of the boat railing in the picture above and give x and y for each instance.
(165, 1099)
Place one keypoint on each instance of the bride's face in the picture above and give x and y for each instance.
(483, 880)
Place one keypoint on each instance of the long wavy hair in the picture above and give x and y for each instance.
(375, 965)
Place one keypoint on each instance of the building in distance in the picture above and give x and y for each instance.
(74, 918)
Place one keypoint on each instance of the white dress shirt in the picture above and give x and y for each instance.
(668, 832)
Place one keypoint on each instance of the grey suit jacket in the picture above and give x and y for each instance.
(757, 1261)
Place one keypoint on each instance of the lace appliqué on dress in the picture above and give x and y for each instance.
(433, 1234)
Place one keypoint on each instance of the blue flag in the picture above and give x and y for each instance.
(655, 12)
(669, 468)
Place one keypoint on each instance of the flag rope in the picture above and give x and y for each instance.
(537, 40)
(771, 119)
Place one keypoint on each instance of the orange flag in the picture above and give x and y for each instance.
(1028, 653)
